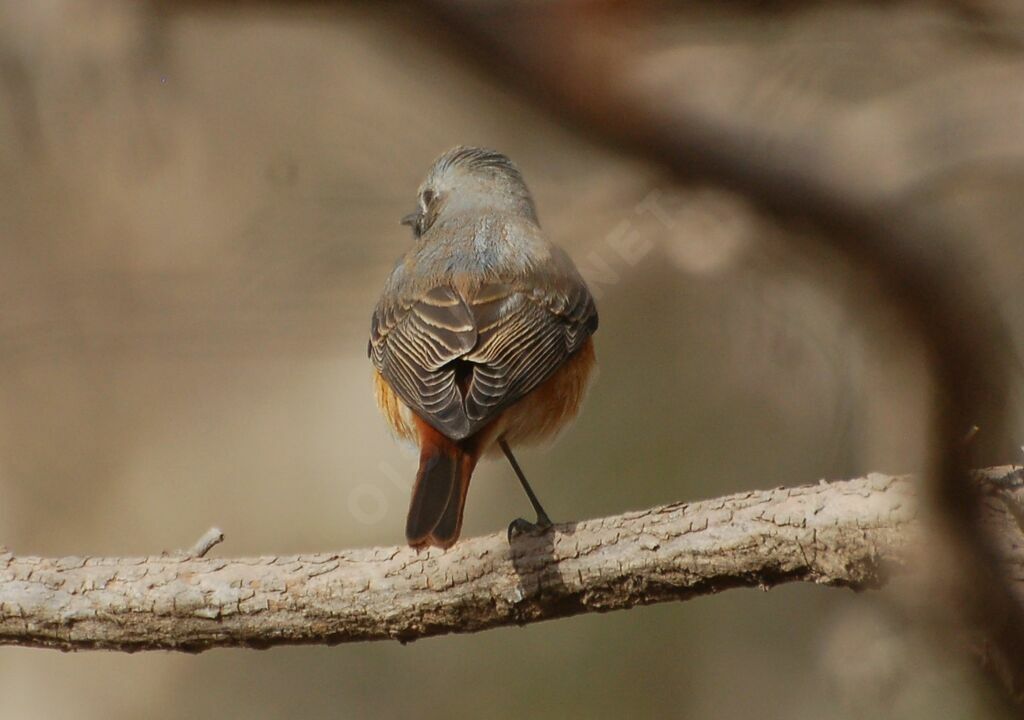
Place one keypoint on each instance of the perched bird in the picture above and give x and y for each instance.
(481, 338)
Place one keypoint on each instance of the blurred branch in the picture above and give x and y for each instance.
(596, 68)
(851, 534)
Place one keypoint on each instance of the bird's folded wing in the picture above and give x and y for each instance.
(414, 344)
(523, 337)
(507, 340)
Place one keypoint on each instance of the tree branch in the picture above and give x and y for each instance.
(852, 533)
(598, 69)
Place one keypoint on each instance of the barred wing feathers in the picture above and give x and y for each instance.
(458, 363)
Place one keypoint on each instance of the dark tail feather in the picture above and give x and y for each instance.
(439, 496)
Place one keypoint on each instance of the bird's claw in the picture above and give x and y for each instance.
(520, 526)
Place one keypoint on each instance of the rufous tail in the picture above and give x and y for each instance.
(439, 496)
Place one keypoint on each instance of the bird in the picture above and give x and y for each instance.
(481, 339)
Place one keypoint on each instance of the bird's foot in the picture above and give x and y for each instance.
(520, 526)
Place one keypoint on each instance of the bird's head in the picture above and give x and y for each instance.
(470, 180)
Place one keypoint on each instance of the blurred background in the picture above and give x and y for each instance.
(200, 204)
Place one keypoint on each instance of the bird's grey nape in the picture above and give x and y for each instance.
(504, 184)
(475, 158)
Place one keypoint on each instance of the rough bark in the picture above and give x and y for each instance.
(852, 533)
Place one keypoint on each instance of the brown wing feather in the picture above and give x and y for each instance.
(510, 339)
(523, 337)
(414, 346)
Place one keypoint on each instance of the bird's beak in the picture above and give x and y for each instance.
(412, 219)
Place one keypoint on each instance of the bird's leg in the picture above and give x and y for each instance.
(519, 525)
